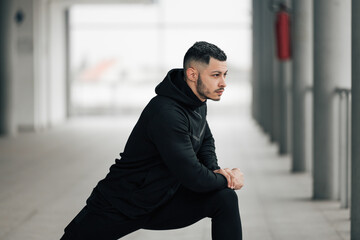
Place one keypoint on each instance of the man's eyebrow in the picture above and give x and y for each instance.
(218, 71)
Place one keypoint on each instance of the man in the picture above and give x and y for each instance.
(168, 176)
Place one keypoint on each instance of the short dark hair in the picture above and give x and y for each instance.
(201, 52)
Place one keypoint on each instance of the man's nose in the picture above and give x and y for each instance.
(222, 83)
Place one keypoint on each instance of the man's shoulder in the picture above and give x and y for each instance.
(165, 107)
(162, 103)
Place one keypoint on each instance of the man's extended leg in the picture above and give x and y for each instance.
(188, 207)
(99, 220)
(89, 225)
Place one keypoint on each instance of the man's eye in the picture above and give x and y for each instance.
(216, 75)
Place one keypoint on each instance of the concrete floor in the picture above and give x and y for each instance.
(46, 177)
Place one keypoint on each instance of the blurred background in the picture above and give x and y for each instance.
(81, 58)
(112, 67)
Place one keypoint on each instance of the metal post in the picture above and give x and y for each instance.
(344, 142)
(347, 157)
(342, 147)
(355, 123)
(302, 79)
(332, 67)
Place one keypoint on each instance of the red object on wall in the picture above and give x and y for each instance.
(283, 35)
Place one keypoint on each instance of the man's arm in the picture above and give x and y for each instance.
(168, 130)
(206, 153)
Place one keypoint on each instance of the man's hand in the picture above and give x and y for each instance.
(238, 179)
(234, 177)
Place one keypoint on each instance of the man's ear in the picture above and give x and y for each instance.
(191, 74)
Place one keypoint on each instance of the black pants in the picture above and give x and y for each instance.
(184, 209)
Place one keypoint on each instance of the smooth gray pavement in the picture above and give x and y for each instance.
(46, 177)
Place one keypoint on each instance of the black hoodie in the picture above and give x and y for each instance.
(171, 144)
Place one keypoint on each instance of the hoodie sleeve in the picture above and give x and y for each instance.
(206, 153)
(168, 130)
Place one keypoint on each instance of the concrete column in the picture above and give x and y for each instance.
(57, 63)
(25, 82)
(255, 59)
(6, 109)
(284, 73)
(276, 125)
(276, 122)
(267, 66)
(3, 74)
(332, 63)
(36, 65)
(302, 39)
(258, 64)
(261, 70)
(355, 132)
(283, 84)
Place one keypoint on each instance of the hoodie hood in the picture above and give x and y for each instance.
(174, 86)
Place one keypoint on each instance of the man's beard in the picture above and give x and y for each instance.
(202, 90)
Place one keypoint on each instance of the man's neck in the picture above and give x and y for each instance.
(192, 86)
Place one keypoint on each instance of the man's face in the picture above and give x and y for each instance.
(211, 80)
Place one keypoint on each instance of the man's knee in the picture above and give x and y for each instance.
(226, 198)
(222, 202)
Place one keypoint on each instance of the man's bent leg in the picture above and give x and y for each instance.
(226, 223)
(188, 207)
